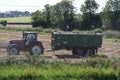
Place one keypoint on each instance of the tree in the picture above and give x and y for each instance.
(38, 19)
(65, 13)
(60, 15)
(112, 5)
(90, 20)
(111, 15)
(47, 13)
(89, 6)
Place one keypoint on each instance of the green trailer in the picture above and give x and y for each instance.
(79, 43)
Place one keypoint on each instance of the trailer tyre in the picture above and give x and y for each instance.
(90, 52)
(79, 52)
(13, 50)
(36, 49)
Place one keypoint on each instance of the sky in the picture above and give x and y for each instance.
(33, 5)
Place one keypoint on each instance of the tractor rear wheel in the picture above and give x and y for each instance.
(13, 50)
(36, 49)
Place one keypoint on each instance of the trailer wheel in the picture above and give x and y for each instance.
(79, 52)
(36, 49)
(90, 52)
(13, 50)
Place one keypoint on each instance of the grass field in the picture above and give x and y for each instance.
(38, 68)
(51, 73)
(17, 19)
(113, 40)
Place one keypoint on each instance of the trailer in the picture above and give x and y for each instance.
(79, 43)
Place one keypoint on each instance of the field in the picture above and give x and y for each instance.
(17, 19)
(108, 48)
(37, 68)
(61, 65)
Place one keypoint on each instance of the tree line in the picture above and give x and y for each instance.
(14, 14)
(63, 16)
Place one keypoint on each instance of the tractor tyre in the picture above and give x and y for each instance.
(36, 49)
(13, 50)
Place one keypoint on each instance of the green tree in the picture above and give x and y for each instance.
(60, 15)
(55, 20)
(89, 6)
(64, 11)
(90, 19)
(112, 5)
(38, 19)
(47, 15)
(111, 15)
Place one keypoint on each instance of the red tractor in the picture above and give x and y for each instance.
(28, 43)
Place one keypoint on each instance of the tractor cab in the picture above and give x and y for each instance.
(29, 37)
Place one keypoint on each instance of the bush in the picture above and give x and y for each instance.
(111, 34)
(37, 24)
(98, 30)
(39, 29)
(4, 23)
(97, 62)
(76, 31)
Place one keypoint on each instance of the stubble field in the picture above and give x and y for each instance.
(109, 49)
(52, 66)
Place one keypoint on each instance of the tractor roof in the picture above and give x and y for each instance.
(30, 32)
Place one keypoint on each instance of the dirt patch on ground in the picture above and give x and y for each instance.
(109, 49)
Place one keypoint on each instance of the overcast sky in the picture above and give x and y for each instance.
(33, 5)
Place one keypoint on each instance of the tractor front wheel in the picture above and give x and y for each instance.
(36, 49)
(13, 50)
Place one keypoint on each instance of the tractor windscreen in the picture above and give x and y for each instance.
(29, 37)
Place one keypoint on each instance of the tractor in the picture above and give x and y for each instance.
(28, 43)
